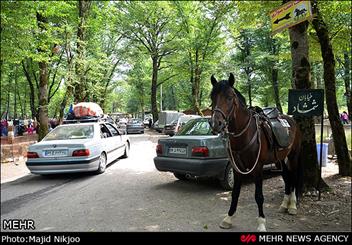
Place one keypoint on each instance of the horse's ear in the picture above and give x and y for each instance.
(213, 80)
(231, 80)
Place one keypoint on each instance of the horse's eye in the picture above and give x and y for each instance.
(229, 98)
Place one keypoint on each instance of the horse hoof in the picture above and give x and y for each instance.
(226, 223)
(261, 224)
(292, 211)
(282, 209)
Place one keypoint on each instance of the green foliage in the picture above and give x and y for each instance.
(123, 37)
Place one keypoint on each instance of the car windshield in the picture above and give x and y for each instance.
(196, 127)
(71, 132)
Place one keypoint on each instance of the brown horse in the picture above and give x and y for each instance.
(250, 146)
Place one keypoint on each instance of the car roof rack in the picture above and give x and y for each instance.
(83, 120)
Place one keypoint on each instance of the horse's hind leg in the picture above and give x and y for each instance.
(285, 175)
(226, 223)
(292, 173)
(259, 198)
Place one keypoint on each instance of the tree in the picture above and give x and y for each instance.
(301, 76)
(151, 35)
(343, 157)
(201, 27)
(81, 84)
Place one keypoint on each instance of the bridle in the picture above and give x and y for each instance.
(226, 136)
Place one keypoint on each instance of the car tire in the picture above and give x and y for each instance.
(102, 164)
(180, 176)
(228, 180)
(127, 150)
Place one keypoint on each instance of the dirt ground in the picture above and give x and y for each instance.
(331, 213)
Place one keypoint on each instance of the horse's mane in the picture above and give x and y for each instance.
(223, 86)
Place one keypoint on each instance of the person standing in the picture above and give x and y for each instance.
(344, 117)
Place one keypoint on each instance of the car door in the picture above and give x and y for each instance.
(117, 140)
(107, 140)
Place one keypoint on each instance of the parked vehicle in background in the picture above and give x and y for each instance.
(156, 127)
(177, 124)
(135, 125)
(166, 117)
(122, 122)
(146, 121)
(79, 147)
(195, 152)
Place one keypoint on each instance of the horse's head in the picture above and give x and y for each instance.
(225, 102)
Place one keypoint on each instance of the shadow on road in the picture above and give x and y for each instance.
(207, 184)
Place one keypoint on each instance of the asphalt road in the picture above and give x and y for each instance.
(130, 196)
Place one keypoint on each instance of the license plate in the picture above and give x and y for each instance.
(55, 153)
(178, 151)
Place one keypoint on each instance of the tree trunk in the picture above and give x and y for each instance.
(81, 84)
(63, 104)
(347, 79)
(249, 89)
(32, 91)
(196, 86)
(274, 75)
(196, 94)
(43, 85)
(154, 89)
(15, 96)
(301, 78)
(339, 137)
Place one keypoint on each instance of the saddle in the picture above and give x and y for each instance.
(275, 127)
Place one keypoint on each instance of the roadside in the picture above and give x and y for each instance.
(12, 170)
(148, 200)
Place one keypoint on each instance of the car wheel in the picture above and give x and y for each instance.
(102, 164)
(180, 176)
(127, 150)
(227, 182)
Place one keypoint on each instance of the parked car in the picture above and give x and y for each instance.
(122, 122)
(194, 151)
(166, 117)
(172, 128)
(79, 147)
(135, 126)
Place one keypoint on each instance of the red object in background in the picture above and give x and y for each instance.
(87, 109)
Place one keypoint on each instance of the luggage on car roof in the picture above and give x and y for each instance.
(87, 109)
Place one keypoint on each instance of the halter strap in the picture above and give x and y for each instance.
(232, 158)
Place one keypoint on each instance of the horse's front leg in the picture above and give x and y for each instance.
(259, 198)
(227, 221)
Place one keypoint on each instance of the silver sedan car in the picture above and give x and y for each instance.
(194, 151)
(135, 126)
(79, 147)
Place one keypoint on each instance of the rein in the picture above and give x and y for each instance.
(227, 134)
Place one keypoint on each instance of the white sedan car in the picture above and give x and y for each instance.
(77, 147)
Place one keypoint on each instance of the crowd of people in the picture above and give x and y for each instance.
(23, 126)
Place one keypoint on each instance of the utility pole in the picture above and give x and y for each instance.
(161, 97)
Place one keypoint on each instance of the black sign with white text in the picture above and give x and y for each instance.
(306, 102)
